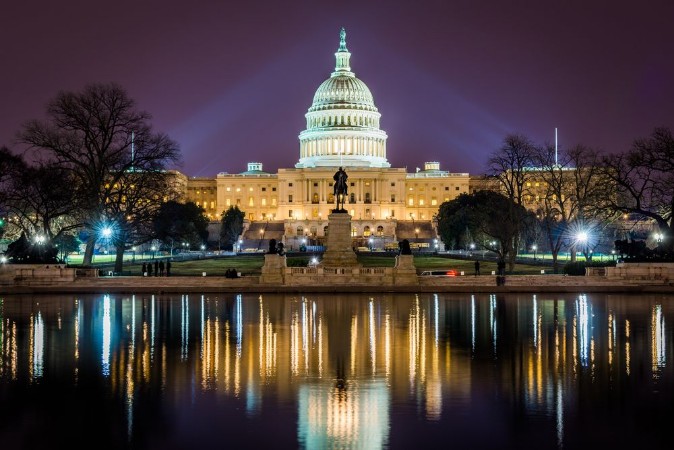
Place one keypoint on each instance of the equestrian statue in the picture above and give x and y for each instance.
(340, 189)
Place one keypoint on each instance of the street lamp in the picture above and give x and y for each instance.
(133, 253)
(153, 248)
(534, 247)
(371, 241)
(416, 233)
(582, 238)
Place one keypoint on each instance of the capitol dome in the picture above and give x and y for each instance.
(342, 122)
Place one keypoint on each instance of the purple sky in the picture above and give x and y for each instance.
(231, 81)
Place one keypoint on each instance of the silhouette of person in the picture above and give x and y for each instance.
(143, 270)
(477, 267)
(161, 268)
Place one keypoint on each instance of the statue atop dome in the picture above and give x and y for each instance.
(342, 41)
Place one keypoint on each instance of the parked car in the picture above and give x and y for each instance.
(439, 273)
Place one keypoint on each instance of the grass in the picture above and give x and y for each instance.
(252, 265)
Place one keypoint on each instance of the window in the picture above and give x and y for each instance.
(300, 231)
(367, 198)
(228, 202)
(290, 213)
(250, 189)
(273, 189)
(251, 202)
(366, 231)
(380, 230)
(421, 201)
(446, 188)
(393, 198)
(410, 201)
(264, 202)
(315, 184)
(238, 202)
(434, 201)
(290, 198)
(264, 189)
(290, 185)
(212, 205)
(228, 189)
(238, 189)
(353, 184)
(314, 198)
(352, 198)
(456, 188)
(273, 201)
(354, 232)
(393, 183)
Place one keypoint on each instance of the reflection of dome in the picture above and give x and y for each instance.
(343, 122)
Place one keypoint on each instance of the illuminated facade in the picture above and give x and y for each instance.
(342, 129)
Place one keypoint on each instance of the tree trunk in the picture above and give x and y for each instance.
(89, 250)
(555, 263)
(119, 258)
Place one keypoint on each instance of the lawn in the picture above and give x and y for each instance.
(252, 265)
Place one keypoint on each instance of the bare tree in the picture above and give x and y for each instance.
(99, 137)
(643, 181)
(573, 185)
(511, 167)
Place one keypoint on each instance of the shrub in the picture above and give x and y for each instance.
(575, 268)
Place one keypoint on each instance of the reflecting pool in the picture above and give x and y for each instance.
(321, 371)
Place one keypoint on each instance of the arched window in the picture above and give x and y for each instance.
(380, 230)
(354, 232)
(300, 231)
(366, 231)
(314, 199)
(313, 231)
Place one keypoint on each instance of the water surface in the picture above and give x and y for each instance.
(393, 371)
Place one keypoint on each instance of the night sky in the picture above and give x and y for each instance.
(231, 81)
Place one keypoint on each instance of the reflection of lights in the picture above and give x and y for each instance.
(628, 353)
(583, 328)
(184, 327)
(657, 339)
(472, 322)
(373, 338)
(492, 319)
(37, 346)
(107, 336)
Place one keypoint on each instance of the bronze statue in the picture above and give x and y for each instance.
(340, 189)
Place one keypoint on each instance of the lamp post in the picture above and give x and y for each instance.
(582, 239)
(133, 254)
(534, 247)
(658, 239)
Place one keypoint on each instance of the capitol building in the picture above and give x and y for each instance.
(387, 204)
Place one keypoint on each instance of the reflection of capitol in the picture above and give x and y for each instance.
(342, 361)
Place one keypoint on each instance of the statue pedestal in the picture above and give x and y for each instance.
(339, 251)
(404, 271)
(273, 269)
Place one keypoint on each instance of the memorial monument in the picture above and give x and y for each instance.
(339, 250)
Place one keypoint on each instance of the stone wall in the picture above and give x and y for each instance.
(657, 271)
